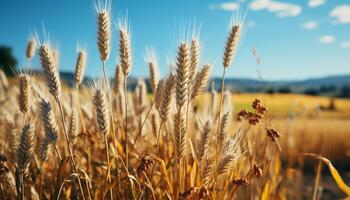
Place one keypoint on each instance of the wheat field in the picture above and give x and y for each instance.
(181, 140)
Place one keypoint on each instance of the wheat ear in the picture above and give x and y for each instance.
(3, 80)
(103, 33)
(125, 64)
(200, 81)
(24, 93)
(103, 122)
(118, 79)
(204, 141)
(80, 67)
(26, 146)
(31, 48)
(25, 150)
(102, 111)
(48, 63)
(195, 53)
(73, 126)
(167, 97)
(124, 48)
(231, 44)
(182, 74)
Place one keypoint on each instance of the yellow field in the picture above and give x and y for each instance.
(301, 121)
(309, 128)
(284, 104)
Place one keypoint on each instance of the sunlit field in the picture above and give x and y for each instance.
(166, 136)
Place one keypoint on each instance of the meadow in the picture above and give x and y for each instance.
(180, 141)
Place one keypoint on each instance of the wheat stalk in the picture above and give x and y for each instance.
(103, 121)
(125, 64)
(49, 62)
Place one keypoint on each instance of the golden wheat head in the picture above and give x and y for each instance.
(101, 111)
(24, 93)
(80, 67)
(49, 64)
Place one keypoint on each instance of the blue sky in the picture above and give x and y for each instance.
(294, 39)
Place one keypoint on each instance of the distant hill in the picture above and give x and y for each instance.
(329, 86)
(253, 84)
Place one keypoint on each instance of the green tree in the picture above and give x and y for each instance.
(7, 61)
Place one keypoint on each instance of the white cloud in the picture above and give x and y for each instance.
(327, 39)
(310, 25)
(282, 9)
(316, 3)
(227, 6)
(341, 14)
(345, 44)
(251, 24)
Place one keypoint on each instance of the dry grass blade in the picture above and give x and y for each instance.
(334, 172)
